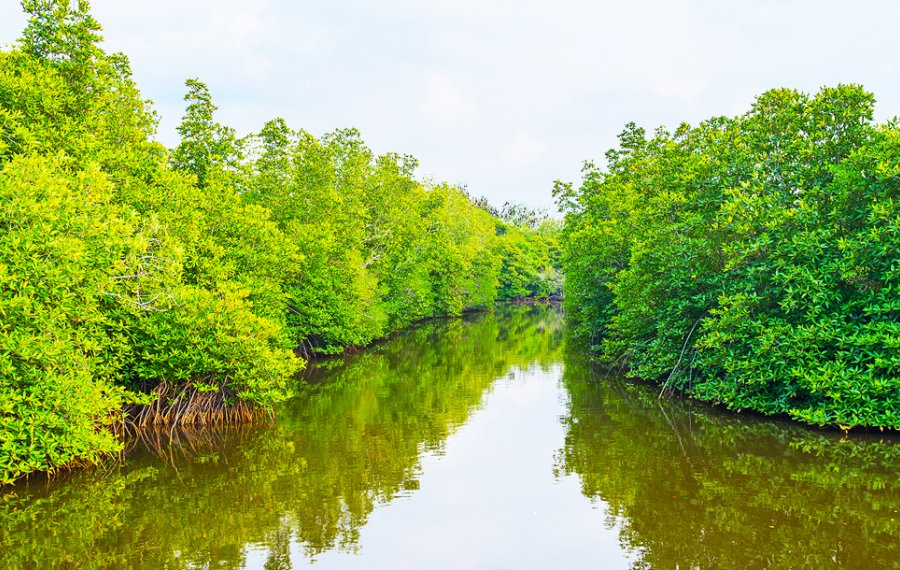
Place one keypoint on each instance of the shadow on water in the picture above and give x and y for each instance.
(691, 486)
(352, 439)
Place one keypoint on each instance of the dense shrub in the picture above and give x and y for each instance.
(143, 285)
(62, 245)
(750, 260)
(380, 250)
(529, 249)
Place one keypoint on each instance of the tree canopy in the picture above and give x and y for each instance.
(750, 261)
(145, 285)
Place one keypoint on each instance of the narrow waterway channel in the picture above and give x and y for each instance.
(481, 443)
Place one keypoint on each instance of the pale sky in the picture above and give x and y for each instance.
(500, 96)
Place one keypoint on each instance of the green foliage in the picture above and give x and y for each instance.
(129, 271)
(61, 244)
(530, 254)
(380, 250)
(61, 32)
(748, 261)
(353, 440)
(121, 273)
(205, 144)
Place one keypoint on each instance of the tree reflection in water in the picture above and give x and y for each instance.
(351, 439)
(687, 485)
(695, 487)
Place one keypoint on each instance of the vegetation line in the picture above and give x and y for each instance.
(765, 246)
(143, 286)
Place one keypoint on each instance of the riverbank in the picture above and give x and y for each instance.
(417, 440)
(131, 271)
(749, 261)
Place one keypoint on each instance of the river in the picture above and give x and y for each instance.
(486, 442)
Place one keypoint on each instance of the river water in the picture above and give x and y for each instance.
(486, 442)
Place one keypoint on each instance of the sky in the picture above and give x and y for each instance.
(503, 97)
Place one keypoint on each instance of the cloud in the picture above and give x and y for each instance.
(685, 89)
(445, 105)
(245, 25)
(503, 95)
(524, 149)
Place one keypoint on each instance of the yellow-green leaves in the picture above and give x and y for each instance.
(128, 272)
(60, 246)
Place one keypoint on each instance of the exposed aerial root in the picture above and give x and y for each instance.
(186, 406)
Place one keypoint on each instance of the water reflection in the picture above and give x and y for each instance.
(676, 484)
(696, 488)
(353, 439)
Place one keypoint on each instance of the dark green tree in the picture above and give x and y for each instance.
(748, 260)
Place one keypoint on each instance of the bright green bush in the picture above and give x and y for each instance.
(530, 259)
(62, 244)
(129, 273)
(749, 261)
(379, 249)
(209, 341)
(119, 274)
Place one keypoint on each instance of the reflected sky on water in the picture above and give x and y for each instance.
(485, 442)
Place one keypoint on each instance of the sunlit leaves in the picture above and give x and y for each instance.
(125, 267)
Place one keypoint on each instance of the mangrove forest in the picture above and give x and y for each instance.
(145, 286)
(749, 261)
(281, 348)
